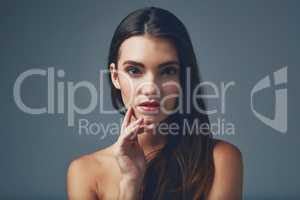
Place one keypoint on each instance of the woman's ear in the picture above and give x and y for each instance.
(114, 75)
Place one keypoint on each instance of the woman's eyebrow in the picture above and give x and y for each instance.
(171, 62)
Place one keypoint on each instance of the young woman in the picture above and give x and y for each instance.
(158, 155)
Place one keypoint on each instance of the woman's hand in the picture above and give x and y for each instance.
(128, 153)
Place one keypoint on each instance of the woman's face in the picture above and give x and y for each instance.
(147, 73)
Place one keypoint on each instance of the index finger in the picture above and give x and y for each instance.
(128, 115)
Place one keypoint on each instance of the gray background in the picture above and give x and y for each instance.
(241, 41)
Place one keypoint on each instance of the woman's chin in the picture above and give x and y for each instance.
(148, 119)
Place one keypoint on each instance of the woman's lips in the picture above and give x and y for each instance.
(149, 108)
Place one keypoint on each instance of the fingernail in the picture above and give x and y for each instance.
(140, 120)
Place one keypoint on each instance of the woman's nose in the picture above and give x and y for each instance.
(149, 86)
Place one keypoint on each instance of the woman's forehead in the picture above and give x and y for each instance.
(148, 50)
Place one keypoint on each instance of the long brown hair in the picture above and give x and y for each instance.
(183, 168)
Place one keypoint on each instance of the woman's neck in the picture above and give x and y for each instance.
(151, 141)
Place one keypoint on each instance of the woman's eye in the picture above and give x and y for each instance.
(169, 71)
(133, 70)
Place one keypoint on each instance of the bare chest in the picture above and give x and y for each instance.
(108, 187)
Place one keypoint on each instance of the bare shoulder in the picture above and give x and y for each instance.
(228, 177)
(227, 158)
(224, 150)
(85, 173)
(81, 184)
(92, 164)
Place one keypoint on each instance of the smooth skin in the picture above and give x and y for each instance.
(116, 172)
(98, 176)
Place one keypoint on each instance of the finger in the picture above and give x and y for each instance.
(132, 126)
(127, 130)
(132, 117)
(137, 130)
(146, 128)
(132, 129)
(127, 117)
(150, 126)
(132, 136)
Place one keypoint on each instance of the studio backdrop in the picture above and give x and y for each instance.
(55, 95)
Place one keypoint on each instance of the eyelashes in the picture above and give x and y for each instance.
(136, 71)
(169, 70)
(133, 70)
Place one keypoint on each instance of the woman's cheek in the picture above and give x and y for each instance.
(171, 88)
(127, 91)
(170, 93)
